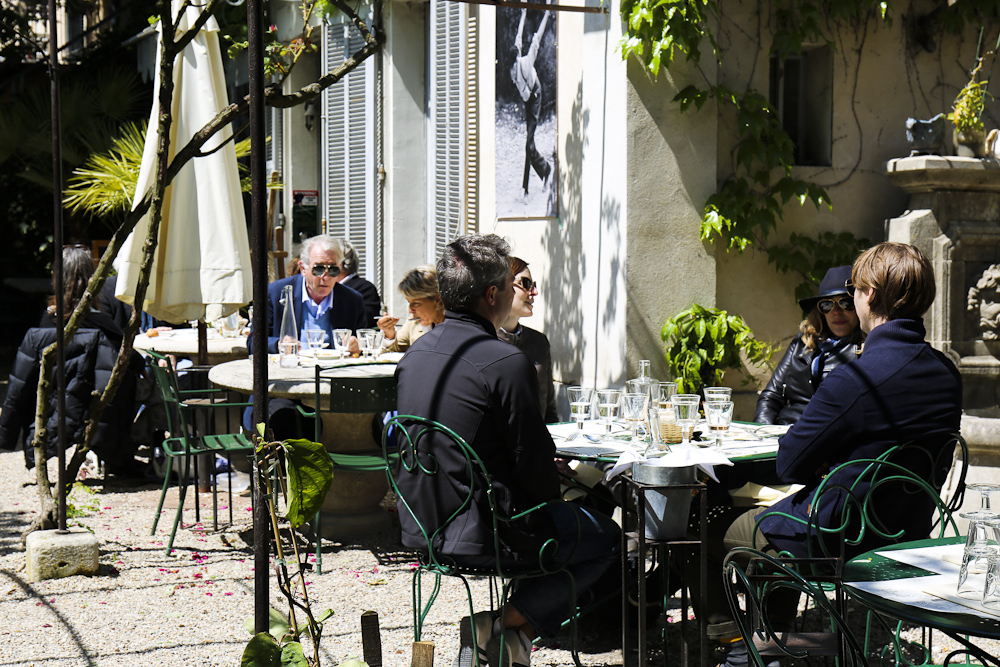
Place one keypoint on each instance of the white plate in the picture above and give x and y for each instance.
(589, 450)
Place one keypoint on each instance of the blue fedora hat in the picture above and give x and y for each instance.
(832, 285)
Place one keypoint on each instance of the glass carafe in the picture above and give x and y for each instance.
(288, 341)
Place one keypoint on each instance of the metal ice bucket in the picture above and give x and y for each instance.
(666, 510)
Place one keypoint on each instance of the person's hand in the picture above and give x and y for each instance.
(562, 467)
(387, 324)
(352, 345)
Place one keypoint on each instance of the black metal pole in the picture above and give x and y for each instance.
(258, 211)
(57, 236)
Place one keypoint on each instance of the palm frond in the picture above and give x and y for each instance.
(105, 184)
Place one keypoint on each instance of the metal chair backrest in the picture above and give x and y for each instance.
(166, 381)
(879, 506)
(352, 395)
(756, 577)
(419, 442)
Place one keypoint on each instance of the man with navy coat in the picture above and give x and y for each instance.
(901, 390)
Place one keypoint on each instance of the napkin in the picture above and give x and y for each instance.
(677, 457)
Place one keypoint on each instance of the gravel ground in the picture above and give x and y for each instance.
(190, 608)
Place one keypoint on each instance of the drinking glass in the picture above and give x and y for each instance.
(971, 576)
(634, 411)
(983, 526)
(341, 337)
(985, 489)
(366, 337)
(718, 394)
(377, 343)
(667, 389)
(718, 416)
(580, 400)
(686, 413)
(315, 338)
(607, 410)
(991, 590)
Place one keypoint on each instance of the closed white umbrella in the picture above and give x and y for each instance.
(201, 269)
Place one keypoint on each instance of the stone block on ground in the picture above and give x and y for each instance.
(53, 555)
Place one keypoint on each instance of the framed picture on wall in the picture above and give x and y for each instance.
(527, 160)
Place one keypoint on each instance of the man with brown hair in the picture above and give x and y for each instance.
(900, 390)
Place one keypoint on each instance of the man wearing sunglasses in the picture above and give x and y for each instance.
(319, 301)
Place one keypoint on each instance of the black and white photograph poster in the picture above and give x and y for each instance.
(527, 164)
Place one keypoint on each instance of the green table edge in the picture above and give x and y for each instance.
(860, 569)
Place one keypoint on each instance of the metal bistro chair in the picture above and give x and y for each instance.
(187, 444)
(909, 475)
(347, 395)
(418, 439)
(751, 578)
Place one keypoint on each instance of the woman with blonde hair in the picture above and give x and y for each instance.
(419, 287)
(828, 337)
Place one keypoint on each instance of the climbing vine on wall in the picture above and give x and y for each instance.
(749, 204)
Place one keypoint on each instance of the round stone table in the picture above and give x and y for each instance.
(184, 343)
(352, 507)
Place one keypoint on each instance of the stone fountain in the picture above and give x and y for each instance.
(954, 218)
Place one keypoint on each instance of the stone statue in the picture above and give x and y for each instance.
(985, 297)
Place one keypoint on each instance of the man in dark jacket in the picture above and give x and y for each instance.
(461, 375)
(900, 390)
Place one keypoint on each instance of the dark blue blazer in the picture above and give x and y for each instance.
(348, 310)
(900, 390)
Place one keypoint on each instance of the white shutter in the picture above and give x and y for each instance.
(452, 31)
(348, 173)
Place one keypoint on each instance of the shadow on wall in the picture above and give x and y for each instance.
(567, 269)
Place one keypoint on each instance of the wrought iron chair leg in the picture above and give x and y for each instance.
(163, 494)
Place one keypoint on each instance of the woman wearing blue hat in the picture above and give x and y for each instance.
(828, 337)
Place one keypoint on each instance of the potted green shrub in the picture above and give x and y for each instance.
(703, 343)
(967, 116)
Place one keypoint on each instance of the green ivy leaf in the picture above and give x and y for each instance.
(261, 651)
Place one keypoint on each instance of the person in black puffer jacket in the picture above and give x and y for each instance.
(90, 357)
(829, 336)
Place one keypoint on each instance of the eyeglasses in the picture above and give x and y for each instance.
(526, 283)
(319, 269)
(850, 287)
(844, 302)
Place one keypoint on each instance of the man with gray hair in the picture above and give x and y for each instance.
(461, 375)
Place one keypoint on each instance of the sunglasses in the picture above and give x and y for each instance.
(844, 302)
(319, 269)
(526, 283)
(850, 287)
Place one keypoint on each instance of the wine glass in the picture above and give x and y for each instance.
(634, 411)
(341, 338)
(366, 337)
(315, 338)
(580, 400)
(985, 489)
(607, 410)
(718, 416)
(685, 414)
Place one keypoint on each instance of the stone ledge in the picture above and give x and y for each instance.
(928, 173)
(982, 434)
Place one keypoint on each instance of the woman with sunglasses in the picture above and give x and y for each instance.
(533, 343)
(829, 336)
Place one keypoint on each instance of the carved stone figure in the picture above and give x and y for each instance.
(985, 297)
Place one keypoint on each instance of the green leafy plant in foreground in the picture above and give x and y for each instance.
(304, 471)
(703, 343)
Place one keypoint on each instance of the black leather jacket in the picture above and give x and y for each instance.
(787, 394)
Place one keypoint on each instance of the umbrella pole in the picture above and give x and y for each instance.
(258, 203)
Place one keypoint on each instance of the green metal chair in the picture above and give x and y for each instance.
(350, 396)
(752, 578)
(416, 440)
(186, 444)
(860, 524)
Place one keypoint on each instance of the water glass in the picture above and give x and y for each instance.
(718, 416)
(315, 338)
(634, 411)
(972, 574)
(366, 337)
(341, 338)
(991, 590)
(580, 400)
(607, 410)
(685, 408)
(713, 394)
